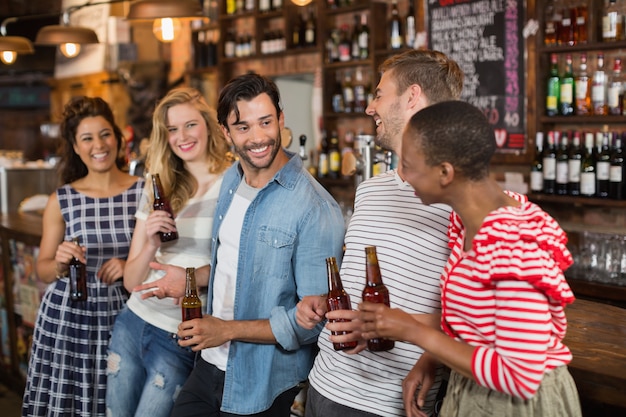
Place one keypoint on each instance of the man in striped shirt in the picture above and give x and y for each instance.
(412, 248)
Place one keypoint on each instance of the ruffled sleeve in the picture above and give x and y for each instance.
(524, 243)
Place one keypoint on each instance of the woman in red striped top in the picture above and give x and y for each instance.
(503, 293)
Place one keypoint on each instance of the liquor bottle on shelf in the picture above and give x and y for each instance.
(580, 24)
(615, 90)
(410, 26)
(582, 88)
(603, 167)
(588, 168)
(77, 277)
(376, 292)
(345, 46)
(616, 171)
(395, 27)
(536, 168)
(364, 38)
(566, 35)
(599, 88)
(549, 164)
(161, 202)
(552, 90)
(338, 104)
(334, 156)
(338, 299)
(265, 6)
(549, 24)
(191, 306)
(348, 92)
(355, 52)
(574, 165)
(296, 32)
(562, 165)
(612, 22)
(322, 160)
(566, 89)
(310, 29)
(360, 94)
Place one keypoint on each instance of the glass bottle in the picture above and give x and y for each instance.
(549, 25)
(310, 30)
(599, 89)
(582, 88)
(191, 306)
(395, 27)
(616, 171)
(612, 22)
(549, 164)
(334, 156)
(375, 292)
(603, 167)
(552, 90)
(355, 52)
(580, 24)
(588, 168)
(364, 38)
(348, 92)
(536, 168)
(574, 162)
(337, 299)
(161, 202)
(566, 28)
(322, 160)
(410, 26)
(78, 277)
(566, 89)
(562, 165)
(615, 90)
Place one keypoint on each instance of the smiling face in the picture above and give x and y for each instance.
(424, 178)
(96, 144)
(256, 135)
(387, 112)
(187, 132)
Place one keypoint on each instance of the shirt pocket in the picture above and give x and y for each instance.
(274, 253)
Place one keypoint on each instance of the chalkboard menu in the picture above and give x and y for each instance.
(485, 38)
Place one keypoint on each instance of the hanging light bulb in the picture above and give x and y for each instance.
(8, 57)
(166, 29)
(69, 50)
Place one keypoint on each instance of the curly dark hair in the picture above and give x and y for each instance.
(71, 167)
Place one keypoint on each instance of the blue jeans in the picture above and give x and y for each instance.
(146, 368)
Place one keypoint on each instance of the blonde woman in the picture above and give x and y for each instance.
(189, 152)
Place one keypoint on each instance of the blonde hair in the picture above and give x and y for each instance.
(178, 183)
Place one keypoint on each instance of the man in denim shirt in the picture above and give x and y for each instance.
(274, 226)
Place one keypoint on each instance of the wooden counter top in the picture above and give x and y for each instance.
(25, 227)
(596, 335)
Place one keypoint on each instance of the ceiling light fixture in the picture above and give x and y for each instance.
(301, 2)
(166, 15)
(12, 46)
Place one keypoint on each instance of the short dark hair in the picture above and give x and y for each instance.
(245, 87)
(455, 132)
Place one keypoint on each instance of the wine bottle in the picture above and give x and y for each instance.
(161, 202)
(616, 173)
(603, 167)
(552, 90)
(562, 165)
(536, 168)
(375, 292)
(191, 306)
(582, 88)
(566, 89)
(337, 299)
(78, 278)
(395, 27)
(574, 164)
(588, 168)
(549, 164)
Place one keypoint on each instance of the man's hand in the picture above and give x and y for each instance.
(172, 284)
(310, 311)
(348, 321)
(203, 333)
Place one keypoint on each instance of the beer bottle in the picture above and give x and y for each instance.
(375, 292)
(78, 278)
(337, 299)
(162, 203)
(191, 305)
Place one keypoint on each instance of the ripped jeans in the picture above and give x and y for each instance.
(146, 368)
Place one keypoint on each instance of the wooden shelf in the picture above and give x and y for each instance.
(598, 290)
(576, 201)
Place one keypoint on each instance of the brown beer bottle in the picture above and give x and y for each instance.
(191, 305)
(162, 203)
(78, 278)
(337, 299)
(375, 292)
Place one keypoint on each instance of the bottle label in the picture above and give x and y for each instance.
(561, 172)
(581, 89)
(549, 169)
(335, 161)
(615, 173)
(567, 93)
(323, 165)
(536, 181)
(551, 102)
(602, 170)
(587, 183)
(574, 170)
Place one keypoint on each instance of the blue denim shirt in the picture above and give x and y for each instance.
(289, 230)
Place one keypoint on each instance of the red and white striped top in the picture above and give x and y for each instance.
(506, 296)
